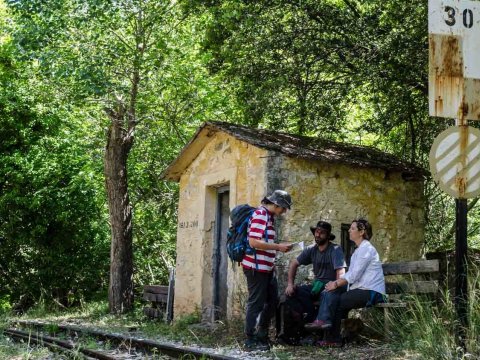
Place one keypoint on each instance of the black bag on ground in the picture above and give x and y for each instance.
(292, 314)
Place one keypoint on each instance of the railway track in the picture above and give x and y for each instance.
(124, 343)
(56, 345)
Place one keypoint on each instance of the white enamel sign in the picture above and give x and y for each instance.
(454, 59)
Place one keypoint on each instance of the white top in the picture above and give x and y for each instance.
(365, 271)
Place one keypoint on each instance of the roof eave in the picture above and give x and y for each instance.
(188, 154)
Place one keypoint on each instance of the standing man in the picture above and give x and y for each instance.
(328, 265)
(259, 266)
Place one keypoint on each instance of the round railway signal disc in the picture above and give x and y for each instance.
(455, 161)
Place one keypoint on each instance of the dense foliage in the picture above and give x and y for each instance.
(52, 223)
(76, 58)
(350, 70)
(332, 68)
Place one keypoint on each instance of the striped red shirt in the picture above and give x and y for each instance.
(261, 219)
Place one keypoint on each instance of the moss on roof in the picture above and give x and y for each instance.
(310, 148)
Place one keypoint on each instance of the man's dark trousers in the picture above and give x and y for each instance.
(262, 302)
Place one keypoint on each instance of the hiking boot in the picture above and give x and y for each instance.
(262, 338)
(329, 344)
(263, 345)
(318, 325)
(252, 344)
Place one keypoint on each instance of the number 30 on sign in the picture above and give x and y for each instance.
(451, 19)
(453, 16)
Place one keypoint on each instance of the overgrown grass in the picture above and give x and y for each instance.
(186, 329)
(430, 329)
(17, 351)
(426, 329)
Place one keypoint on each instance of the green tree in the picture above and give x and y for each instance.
(52, 238)
(341, 69)
(107, 51)
(135, 66)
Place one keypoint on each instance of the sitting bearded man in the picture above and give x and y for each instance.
(328, 265)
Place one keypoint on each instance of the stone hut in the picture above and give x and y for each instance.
(226, 164)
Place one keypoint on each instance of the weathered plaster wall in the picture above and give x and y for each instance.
(224, 161)
(332, 192)
(339, 194)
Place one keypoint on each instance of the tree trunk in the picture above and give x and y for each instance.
(121, 132)
(120, 292)
(413, 139)
(302, 113)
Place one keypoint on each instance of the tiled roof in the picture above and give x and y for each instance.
(311, 148)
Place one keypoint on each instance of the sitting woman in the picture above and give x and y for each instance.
(364, 278)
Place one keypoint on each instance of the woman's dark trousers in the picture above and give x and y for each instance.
(353, 299)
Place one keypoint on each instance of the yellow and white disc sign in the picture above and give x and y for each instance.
(455, 161)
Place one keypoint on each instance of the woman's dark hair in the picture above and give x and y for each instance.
(363, 224)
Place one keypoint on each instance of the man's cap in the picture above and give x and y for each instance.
(323, 225)
(280, 198)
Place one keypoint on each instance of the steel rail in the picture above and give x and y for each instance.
(167, 349)
(50, 342)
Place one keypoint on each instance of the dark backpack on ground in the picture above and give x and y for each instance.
(237, 236)
(292, 314)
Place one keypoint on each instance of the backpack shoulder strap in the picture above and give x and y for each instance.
(266, 228)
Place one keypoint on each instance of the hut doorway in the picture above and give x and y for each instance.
(220, 259)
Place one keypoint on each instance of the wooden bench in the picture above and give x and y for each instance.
(402, 280)
(418, 277)
(161, 300)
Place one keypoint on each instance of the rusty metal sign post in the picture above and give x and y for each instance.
(455, 166)
(454, 92)
(454, 69)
